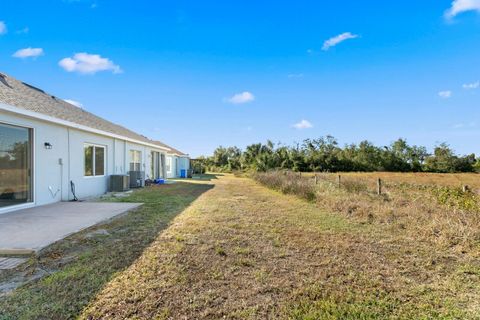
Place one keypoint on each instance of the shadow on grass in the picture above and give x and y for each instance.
(65, 276)
(207, 176)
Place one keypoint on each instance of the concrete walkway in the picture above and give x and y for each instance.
(35, 228)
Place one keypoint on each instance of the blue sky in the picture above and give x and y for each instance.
(198, 74)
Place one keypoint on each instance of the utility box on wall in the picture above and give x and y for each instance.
(119, 183)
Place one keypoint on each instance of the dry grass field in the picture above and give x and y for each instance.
(437, 179)
(238, 250)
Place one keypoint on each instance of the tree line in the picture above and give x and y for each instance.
(325, 155)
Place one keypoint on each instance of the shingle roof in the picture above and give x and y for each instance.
(172, 149)
(21, 95)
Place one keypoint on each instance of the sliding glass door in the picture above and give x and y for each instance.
(15, 165)
(155, 172)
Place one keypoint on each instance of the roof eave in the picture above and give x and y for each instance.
(43, 117)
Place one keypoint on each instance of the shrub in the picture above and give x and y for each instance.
(287, 183)
(456, 198)
(355, 186)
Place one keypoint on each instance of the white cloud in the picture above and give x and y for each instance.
(85, 63)
(240, 98)
(460, 6)
(304, 124)
(3, 28)
(445, 94)
(75, 103)
(473, 85)
(295, 75)
(28, 53)
(332, 42)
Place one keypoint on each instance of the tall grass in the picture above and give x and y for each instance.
(287, 183)
(445, 215)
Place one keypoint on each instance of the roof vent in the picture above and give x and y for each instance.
(3, 79)
(34, 88)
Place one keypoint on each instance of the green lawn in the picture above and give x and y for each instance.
(84, 263)
(225, 247)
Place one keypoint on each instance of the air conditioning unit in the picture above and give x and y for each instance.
(119, 183)
(137, 179)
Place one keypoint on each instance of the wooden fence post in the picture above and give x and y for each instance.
(379, 186)
(316, 179)
(339, 181)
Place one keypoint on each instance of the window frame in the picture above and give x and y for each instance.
(169, 164)
(32, 167)
(137, 155)
(94, 160)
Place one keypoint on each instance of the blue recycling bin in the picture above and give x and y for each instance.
(159, 181)
(183, 173)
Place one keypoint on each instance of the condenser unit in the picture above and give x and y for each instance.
(119, 183)
(137, 179)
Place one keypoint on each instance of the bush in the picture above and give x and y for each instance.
(355, 186)
(287, 183)
(456, 198)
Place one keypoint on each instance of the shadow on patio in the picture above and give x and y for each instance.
(66, 275)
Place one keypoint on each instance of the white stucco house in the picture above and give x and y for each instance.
(47, 144)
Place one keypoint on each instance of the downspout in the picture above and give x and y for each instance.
(125, 157)
(68, 164)
(114, 156)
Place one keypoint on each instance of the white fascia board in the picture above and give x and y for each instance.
(43, 117)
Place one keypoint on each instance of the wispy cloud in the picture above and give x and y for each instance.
(332, 42)
(75, 103)
(85, 63)
(303, 124)
(445, 94)
(464, 125)
(295, 75)
(23, 31)
(241, 98)
(460, 6)
(3, 28)
(28, 53)
(470, 86)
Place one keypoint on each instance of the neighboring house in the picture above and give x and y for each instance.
(46, 143)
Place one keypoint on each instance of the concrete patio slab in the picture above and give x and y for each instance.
(10, 263)
(35, 228)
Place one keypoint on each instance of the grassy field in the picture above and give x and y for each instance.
(235, 249)
(438, 179)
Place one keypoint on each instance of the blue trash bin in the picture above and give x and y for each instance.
(183, 173)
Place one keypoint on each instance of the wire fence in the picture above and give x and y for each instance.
(370, 184)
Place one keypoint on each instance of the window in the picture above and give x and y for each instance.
(135, 160)
(94, 160)
(169, 164)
